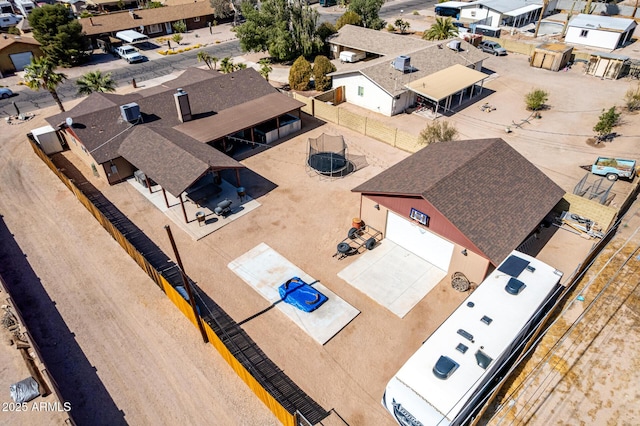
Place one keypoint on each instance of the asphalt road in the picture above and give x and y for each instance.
(29, 100)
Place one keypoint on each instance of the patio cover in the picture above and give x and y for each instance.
(131, 36)
(442, 84)
(172, 159)
(239, 117)
(524, 9)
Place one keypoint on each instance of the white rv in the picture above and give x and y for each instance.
(445, 381)
(25, 7)
(347, 56)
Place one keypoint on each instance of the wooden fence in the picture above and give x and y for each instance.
(279, 411)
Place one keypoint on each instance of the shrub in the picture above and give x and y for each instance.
(536, 99)
(180, 27)
(391, 28)
(177, 38)
(438, 131)
(321, 67)
(607, 121)
(300, 74)
(415, 12)
(632, 98)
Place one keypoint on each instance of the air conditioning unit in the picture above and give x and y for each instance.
(402, 63)
(130, 112)
(454, 45)
(140, 177)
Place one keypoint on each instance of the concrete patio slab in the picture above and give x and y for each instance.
(212, 222)
(393, 276)
(265, 270)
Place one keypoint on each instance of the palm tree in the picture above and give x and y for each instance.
(226, 65)
(240, 66)
(265, 68)
(441, 30)
(95, 81)
(207, 59)
(40, 74)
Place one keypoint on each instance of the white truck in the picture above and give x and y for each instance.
(129, 54)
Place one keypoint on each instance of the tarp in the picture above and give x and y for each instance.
(301, 295)
(131, 36)
(24, 391)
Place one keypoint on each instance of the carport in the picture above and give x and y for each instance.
(131, 36)
(440, 88)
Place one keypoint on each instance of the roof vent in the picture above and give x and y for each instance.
(130, 112)
(445, 367)
(483, 359)
(402, 63)
(454, 45)
(182, 105)
(514, 286)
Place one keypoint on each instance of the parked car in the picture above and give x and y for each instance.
(614, 168)
(492, 47)
(5, 93)
(130, 54)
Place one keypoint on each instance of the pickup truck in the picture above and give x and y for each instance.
(614, 168)
(129, 54)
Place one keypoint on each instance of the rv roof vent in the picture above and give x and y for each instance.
(454, 45)
(514, 286)
(402, 63)
(445, 367)
(483, 359)
(130, 112)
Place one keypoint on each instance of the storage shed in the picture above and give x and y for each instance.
(607, 65)
(551, 56)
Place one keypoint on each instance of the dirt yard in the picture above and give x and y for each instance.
(151, 362)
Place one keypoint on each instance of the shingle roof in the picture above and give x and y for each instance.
(98, 123)
(8, 40)
(379, 42)
(426, 57)
(151, 149)
(117, 21)
(490, 192)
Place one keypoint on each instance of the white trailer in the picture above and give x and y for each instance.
(445, 381)
(348, 56)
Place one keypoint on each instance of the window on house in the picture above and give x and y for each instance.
(584, 33)
(196, 19)
(155, 28)
(360, 91)
(473, 13)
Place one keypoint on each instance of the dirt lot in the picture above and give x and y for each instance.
(140, 345)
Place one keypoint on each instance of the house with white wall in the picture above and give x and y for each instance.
(605, 32)
(381, 82)
(495, 13)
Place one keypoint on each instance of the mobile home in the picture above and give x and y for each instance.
(445, 381)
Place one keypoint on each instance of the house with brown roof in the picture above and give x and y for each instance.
(175, 133)
(16, 52)
(150, 22)
(384, 81)
(463, 206)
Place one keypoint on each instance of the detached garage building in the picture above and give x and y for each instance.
(463, 206)
(16, 53)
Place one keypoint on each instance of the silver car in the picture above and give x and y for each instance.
(492, 47)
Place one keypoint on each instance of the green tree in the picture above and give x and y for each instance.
(221, 8)
(368, 10)
(300, 74)
(14, 31)
(95, 81)
(536, 99)
(321, 67)
(441, 30)
(438, 131)
(348, 18)
(180, 26)
(403, 26)
(607, 121)
(265, 68)
(59, 34)
(632, 98)
(40, 74)
(240, 66)
(177, 37)
(226, 65)
(284, 28)
(326, 30)
(154, 5)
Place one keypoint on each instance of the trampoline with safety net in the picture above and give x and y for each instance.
(328, 156)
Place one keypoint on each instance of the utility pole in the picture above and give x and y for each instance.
(187, 286)
(545, 4)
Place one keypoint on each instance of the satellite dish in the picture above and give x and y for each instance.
(69, 121)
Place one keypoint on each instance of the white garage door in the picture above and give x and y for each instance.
(418, 240)
(21, 60)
